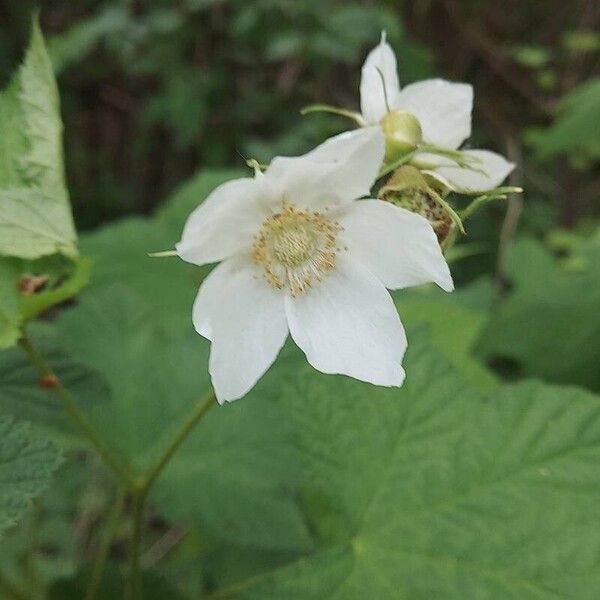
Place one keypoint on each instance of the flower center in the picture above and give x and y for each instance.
(296, 248)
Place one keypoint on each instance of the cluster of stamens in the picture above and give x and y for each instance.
(296, 248)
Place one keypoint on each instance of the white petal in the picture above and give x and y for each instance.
(398, 246)
(341, 169)
(489, 171)
(245, 319)
(348, 324)
(224, 223)
(379, 70)
(443, 109)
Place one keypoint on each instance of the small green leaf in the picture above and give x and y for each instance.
(35, 214)
(27, 460)
(573, 130)
(532, 57)
(581, 41)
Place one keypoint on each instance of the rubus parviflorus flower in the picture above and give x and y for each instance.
(424, 124)
(301, 253)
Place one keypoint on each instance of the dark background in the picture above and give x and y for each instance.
(153, 91)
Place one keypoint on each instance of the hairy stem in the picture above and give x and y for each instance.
(110, 458)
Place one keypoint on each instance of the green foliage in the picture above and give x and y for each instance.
(532, 57)
(154, 587)
(27, 460)
(454, 330)
(437, 491)
(35, 215)
(22, 397)
(549, 326)
(573, 131)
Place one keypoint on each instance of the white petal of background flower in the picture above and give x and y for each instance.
(224, 223)
(381, 61)
(341, 169)
(398, 246)
(443, 109)
(245, 319)
(348, 324)
(489, 170)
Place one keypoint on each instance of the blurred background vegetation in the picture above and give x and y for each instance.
(152, 91)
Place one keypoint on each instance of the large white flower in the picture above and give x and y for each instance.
(443, 112)
(301, 254)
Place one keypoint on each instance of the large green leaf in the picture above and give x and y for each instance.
(438, 491)
(549, 327)
(27, 460)
(35, 215)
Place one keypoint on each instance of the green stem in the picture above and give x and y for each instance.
(385, 169)
(143, 486)
(112, 520)
(342, 112)
(121, 469)
(186, 428)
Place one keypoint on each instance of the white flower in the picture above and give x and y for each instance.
(443, 111)
(301, 255)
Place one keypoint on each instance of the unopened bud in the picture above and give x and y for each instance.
(402, 132)
(408, 188)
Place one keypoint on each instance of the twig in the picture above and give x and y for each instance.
(511, 217)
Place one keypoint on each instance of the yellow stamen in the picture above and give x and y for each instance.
(296, 248)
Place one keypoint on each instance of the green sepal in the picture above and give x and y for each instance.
(312, 108)
(499, 193)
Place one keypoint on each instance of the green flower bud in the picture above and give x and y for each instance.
(402, 133)
(408, 188)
